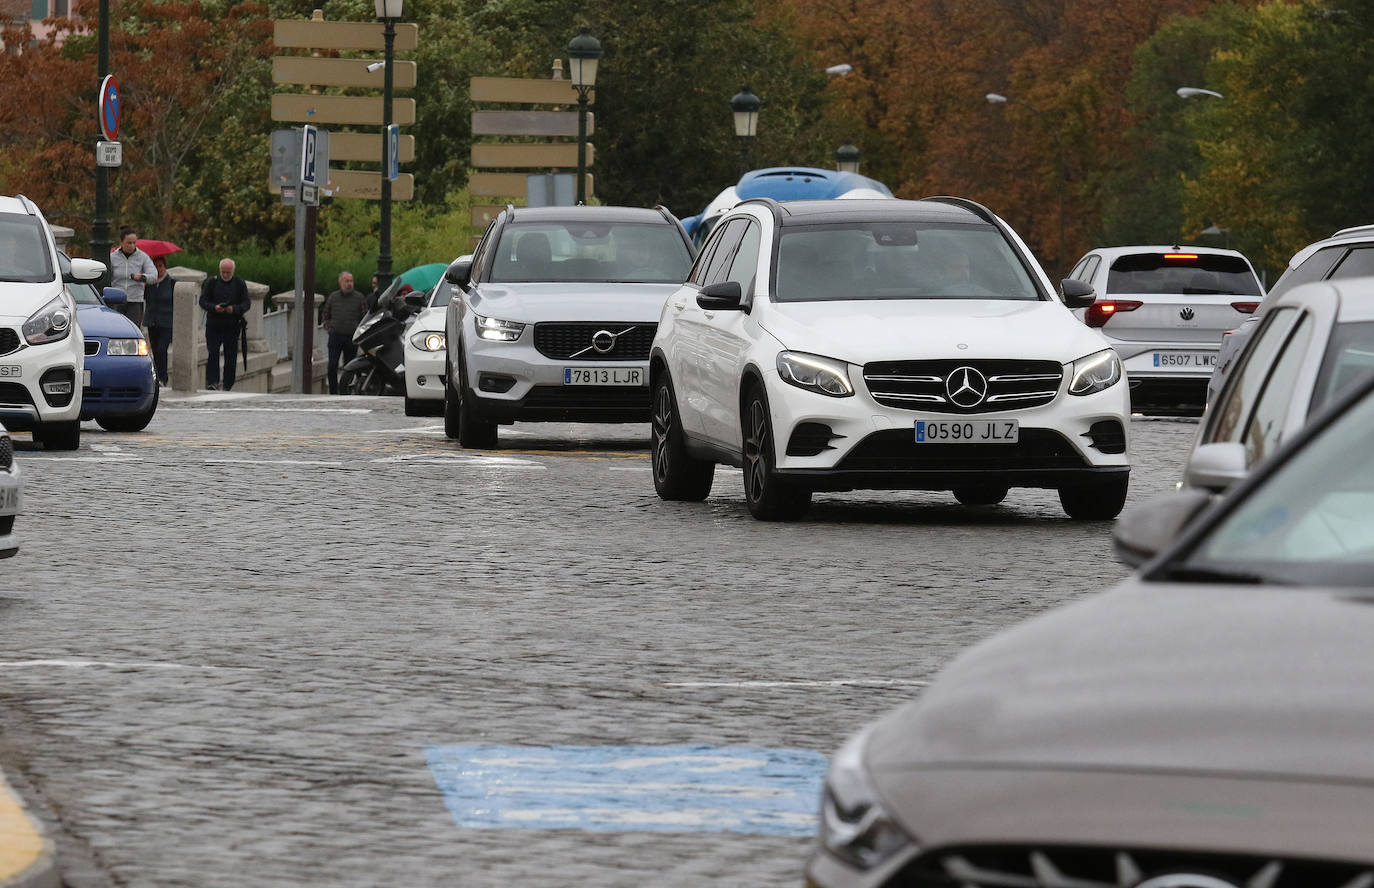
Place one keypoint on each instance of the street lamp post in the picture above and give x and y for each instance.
(584, 51)
(847, 158)
(999, 99)
(388, 11)
(745, 106)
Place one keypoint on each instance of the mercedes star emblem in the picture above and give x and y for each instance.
(966, 387)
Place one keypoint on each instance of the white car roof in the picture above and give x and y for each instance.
(13, 205)
(1354, 295)
(1114, 252)
(1344, 236)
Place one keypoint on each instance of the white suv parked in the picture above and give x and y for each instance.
(11, 496)
(838, 345)
(41, 347)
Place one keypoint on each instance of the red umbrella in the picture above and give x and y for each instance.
(154, 248)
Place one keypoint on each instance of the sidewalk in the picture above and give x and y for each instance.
(27, 858)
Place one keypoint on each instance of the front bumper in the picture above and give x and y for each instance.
(512, 381)
(425, 374)
(11, 504)
(855, 443)
(120, 386)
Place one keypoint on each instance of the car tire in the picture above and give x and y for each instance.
(135, 423)
(1095, 502)
(980, 496)
(768, 497)
(59, 435)
(677, 474)
(461, 419)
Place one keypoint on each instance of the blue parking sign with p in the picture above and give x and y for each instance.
(309, 139)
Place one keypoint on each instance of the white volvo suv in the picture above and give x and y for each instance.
(42, 350)
(840, 345)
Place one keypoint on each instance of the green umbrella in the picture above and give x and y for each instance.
(422, 277)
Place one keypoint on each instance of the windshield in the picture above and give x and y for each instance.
(899, 260)
(1192, 274)
(1349, 356)
(1310, 522)
(594, 252)
(23, 250)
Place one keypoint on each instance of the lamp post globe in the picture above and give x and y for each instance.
(745, 106)
(847, 158)
(388, 11)
(584, 51)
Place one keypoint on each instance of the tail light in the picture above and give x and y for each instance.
(1245, 308)
(1099, 313)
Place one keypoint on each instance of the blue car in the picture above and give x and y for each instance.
(119, 390)
(782, 184)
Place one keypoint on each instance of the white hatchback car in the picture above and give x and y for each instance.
(425, 353)
(838, 345)
(42, 351)
(11, 496)
(1165, 310)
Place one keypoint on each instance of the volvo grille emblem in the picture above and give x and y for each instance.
(1185, 880)
(966, 387)
(1186, 314)
(603, 341)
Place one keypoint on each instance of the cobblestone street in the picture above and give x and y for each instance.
(229, 640)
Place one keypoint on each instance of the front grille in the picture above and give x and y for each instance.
(6, 453)
(573, 342)
(1082, 867)
(15, 393)
(9, 340)
(93, 396)
(922, 385)
(92, 347)
(897, 450)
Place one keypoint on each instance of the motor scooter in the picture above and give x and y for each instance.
(379, 368)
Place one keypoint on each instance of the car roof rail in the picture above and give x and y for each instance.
(1357, 229)
(29, 206)
(773, 206)
(972, 206)
(666, 213)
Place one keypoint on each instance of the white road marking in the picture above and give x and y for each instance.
(99, 664)
(297, 410)
(278, 462)
(26, 457)
(430, 459)
(830, 683)
(411, 430)
(631, 468)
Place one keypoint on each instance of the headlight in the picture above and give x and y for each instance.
(816, 374)
(129, 347)
(49, 324)
(1096, 372)
(430, 341)
(854, 826)
(497, 330)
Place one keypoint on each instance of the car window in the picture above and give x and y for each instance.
(443, 291)
(1077, 272)
(24, 255)
(590, 251)
(1091, 268)
(1182, 273)
(1314, 268)
(1359, 262)
(483, 251)
(1310, 522)
(744, 265)
(1264, 431)
(724, 253)
(1349, 355)
(1240, 395)
(899, 260)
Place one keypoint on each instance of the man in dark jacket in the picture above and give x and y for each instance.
(225, 300)
(343, 310)
(158, 300)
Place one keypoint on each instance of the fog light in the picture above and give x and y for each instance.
(419, 380)
(57, 388)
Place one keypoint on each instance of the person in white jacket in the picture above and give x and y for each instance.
(131, 270)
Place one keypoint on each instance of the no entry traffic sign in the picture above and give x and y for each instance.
(109, 108)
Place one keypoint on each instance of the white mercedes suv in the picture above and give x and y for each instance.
(881, 344)
(42, 350)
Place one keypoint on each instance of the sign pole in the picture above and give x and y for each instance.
(299, 320)
(100, 225)
(312, 214)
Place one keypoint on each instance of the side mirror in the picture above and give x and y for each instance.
(721, 296)
(85, 271)
(1216, 466)
(459, 272)
(1148, 528)
(417, 300)
(114, 296)
(1076, 294)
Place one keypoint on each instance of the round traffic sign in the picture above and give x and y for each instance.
(109, 107)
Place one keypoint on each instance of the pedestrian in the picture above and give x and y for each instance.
(343, 309)
(158, 313)
(373, 296)
(131, 271)
(225, 300)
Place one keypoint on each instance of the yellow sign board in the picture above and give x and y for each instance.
(308, 71)
(355, 110)
(518, 91)
(498, 155)
(308, 34)
(367, 147)
(368, 185)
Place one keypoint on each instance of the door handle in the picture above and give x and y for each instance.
(708, 315)
(679, 306)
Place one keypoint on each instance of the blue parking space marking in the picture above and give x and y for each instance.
(631, 788)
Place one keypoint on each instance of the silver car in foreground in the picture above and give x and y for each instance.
(1205, 724)
(554, 315)
(1165, 310)
(11, 496)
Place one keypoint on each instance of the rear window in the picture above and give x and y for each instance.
(24, 257)
(1183, 273)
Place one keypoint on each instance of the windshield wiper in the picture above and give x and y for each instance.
(1193, 574)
